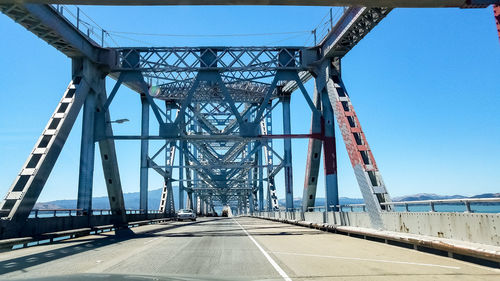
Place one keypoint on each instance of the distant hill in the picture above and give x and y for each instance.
(132, 200)
(432, 196)
(321, 201)
(426, 196)
(414, 197)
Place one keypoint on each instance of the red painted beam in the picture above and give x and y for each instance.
(496, 12)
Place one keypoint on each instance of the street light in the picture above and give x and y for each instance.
(119, 121)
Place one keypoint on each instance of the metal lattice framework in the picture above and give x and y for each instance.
(214, 108)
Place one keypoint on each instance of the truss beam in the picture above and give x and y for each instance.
(46, 23)
(367, 174)
(370, 3)
(313, 157)
(29, 183)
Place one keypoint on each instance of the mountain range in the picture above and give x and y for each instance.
(132, 200)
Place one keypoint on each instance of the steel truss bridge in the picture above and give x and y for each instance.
(213, 106)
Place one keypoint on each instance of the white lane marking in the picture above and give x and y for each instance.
(268, 257)
(373, 260)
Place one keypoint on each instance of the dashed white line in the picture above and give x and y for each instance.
(268, 257)
(372, 260)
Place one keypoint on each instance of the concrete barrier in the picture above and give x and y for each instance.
(469, 227)
(465, 236)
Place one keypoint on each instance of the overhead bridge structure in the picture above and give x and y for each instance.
(213, 107)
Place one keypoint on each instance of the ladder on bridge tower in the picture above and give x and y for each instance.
(272, 198)
(167, 195)
(29, 183)
(365, 168)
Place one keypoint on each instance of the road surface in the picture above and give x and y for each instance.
(239, 248)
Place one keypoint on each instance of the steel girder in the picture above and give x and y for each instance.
(46, 23)
(369, 3)
(88, 81)
(219, 91)
(368, 176)
(313, 157)
(245, 71)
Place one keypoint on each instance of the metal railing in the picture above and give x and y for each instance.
(433, 205)
(50, 213)
(85, 24)
(464, 205)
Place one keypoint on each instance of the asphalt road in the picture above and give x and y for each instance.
(230, 249)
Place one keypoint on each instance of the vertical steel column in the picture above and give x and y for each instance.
(251, 203)
(181, 176)
(285, 101)
(189, 183)
(330, 155)
(109, 160)
(245, 204)
(197, 129)
(313, 156)
(87, 152)
(250, 178)
(261, 183)
(143, 195)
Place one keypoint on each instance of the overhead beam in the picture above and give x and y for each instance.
(367, 3)
(354, 24)
(45, 22)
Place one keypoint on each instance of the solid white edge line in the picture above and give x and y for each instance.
(268, 257)
(372, 260)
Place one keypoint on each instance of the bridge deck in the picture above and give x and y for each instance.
(219, 248)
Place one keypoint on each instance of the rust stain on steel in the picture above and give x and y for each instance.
(353, 149)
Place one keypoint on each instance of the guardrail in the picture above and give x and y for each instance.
(85, 24)
(446, 205)
(464, 205)
(48, 213)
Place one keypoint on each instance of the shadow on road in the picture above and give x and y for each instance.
(104, 239)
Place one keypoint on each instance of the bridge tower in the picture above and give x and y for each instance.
(213, 107)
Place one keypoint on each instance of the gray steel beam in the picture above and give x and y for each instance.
(261, 182)
(110, 163)
(354, 24)
(369, 3)
(313, 157)
(330, 155)
(143, 177)
(30, 181)
(45, 22)
(181, 176)
(287, 145)
(87, 152)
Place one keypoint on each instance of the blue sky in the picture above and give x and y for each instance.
(424, 84)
